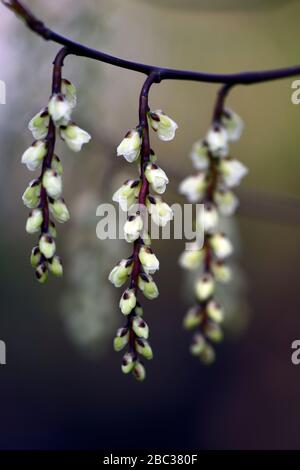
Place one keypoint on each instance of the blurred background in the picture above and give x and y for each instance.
(62, 387)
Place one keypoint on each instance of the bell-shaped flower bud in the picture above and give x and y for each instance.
(128, 363)
(161, 213)
(140, 327)
(121, 339)
(127, 301)
(47, 246)
(152, 156)
(148, 259)
(52, 229)
(146, 238)
(208, 355)
(69, 91)
(41, 273)
(130, 147)
(156, 177)
(52, 182)
(147, 286)
(221, 245)
(119, 274)
(233, 124)
(143, 347)
(197, 345)
(217, 140)
(35, 257)
(193, 318)
(59, 109)
(209, 218)
(163, 125)
(199, 155)
(74, 136)
(221, 271)
(34, 155)
(138, 309)
(214, 311)
(55, 266)
(213, 332)
(139, 371)
(34, 221)
(191, 259)
(56, 165)
(226, 201)
(59, 210)
(39, 124)
(204, 287)
(31, 196)
(126, 195)
(232, 171)
(133, 227)
(193, 187)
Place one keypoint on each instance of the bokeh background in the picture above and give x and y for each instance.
(62, 387)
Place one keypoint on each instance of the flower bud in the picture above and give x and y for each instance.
(199, 155)
(138, 309)
(39, 124)
(69, 91)
(197, 345)
(163, 125)
(140, 327)
(221, 245)
(221, 271)
(139, 371)
(156, 177)
(148, 259)
(161, 213)
(52, 182)
(119, 274)
(233, 124)
(130, 147)
(59, 109)
(31, 196)
(152, 157)
(34, 221)
(191, 259)
(193, 318)
(226, 201)
(217, 141)
(34, 155)
(133, 228)
(232, 171)
(59, 210)
(35, 257)
(55, 266)
(74, 136)
(41, 273)
(121, 339)
(143, 347)
(213, 332)
(146, 238)
(127, 194)
(47, 246)
(148, 286)
(205, 287)
(127, 301)
(52, 229)
(208, 355)
(209, 218)
(128, 363)
(56, 165)
(215, 311)
(193, 187)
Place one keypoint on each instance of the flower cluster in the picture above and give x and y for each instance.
(134, 197)
(217, 174)
(43, 196)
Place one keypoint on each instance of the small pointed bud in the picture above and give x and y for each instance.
(139, 371)
(34, 221)
(221, 245)
(59, 109)
(148, 259)
(52, 182)
(55, 266)
(217, 141)
(191, 259)
(31, 196)
(156, 177)
(138, 309)
(128, 363)
(143, 347)
(226, 201)
(39, 124)
(56, 165)
(152, 157)
(41, 273)
(148, 286)
(161, 213)
(221, 271)
(69, 91)
(193, 187)
(163, 125)
(140, 327)
(130, 147)
(146, 238)
(193, 318)
(121, 339)
(208, 355)
(232, 171)
(199, 155)
(213, 332)
(119, 274)
(35, 257)
(74, 136)
(59, 210)
(34, 155)
(133, 228)
(197, 345)
(127, 194)
(52, 229)
(127, 301)
(233, 124)
(204, 287)
(209, 218)
(47, 246)
(215, 311)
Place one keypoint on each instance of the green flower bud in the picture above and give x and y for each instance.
(34, 221)
(47, 246)
(41, 273)
(233, 124)
(74, 136)
(60, 109)
(143, 347)
(198, 344)
(128, 363)
(59, 210)
(213, 332)
(139, 371)
(69, 91)
(204, 287)
(199, 155)
(55, 266)
(191, 259)
(208, 355)
(221, 272)
(121, 339)
(128, 301)
(56, 165)
(34, 155)
(156, 177)
(127, 194)
(215, 311)
(52, 229)
(148, 286)
(138, 309)
(161, 213)
(163, 125)
(35, 257)
(31, 196)
(221, 245)
(39, 124)
(119, 274)
(193, 318)
(148, 259)
(140, 327)
(130, 146)
(52, 182)
(133, 228)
